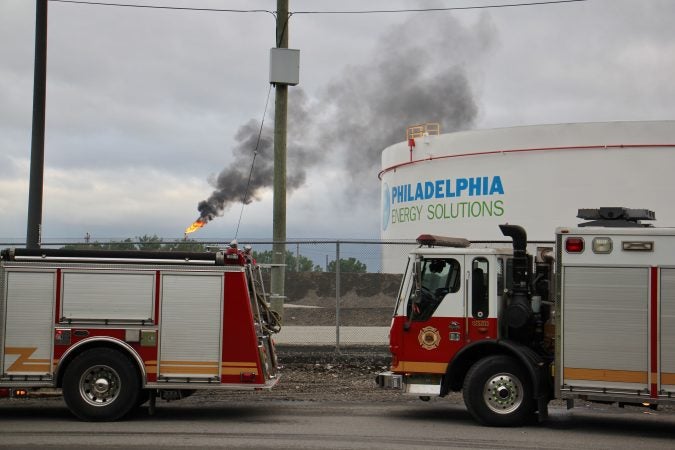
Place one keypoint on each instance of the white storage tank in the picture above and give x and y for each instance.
(465, 184)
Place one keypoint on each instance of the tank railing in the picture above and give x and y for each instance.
(419, 130)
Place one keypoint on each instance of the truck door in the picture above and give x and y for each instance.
(29, 323)
(191, 318)
(480, 324)
(435, 325)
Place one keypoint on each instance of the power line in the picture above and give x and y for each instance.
(368, 11)
(255, 153)
(179, 8)
(451, 8)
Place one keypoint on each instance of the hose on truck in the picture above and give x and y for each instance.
(270, 320)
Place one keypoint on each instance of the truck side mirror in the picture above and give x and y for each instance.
(416, 298)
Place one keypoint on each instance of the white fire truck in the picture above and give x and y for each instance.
(590, 319)
(114, 329)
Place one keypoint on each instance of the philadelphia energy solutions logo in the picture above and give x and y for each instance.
(443, 200)
(386, 207)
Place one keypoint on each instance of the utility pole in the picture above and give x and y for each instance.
(37, 149)
(279, 202)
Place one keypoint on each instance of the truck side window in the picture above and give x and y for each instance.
(440, 276)
(480, 292)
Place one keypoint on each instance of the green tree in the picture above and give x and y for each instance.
(126, 244)
(348, 265)
(145, 242)
(153, 242)
(293, 263)
(187, 245)
(88, 246)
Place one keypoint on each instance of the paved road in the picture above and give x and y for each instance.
(260, 424)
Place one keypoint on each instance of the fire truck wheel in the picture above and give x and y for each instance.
(497, 392)
(101, 385)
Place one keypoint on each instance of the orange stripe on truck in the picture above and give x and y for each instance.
(619, 376)
(422, 367)
(667, 378)
(24, 363)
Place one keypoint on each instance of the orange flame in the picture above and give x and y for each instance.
(195, 226)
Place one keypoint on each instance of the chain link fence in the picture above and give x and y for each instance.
(345, 304)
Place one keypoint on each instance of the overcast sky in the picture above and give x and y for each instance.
(146, 107)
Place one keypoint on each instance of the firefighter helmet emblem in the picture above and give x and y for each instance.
(429, 338)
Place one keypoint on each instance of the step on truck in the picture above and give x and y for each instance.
(114, 329)
(590, 318)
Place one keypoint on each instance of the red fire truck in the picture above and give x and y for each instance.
(114, 329)
(591, 318)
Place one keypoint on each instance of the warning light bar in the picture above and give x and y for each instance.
(432, 240)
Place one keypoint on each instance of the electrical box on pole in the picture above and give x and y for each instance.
(284, 66)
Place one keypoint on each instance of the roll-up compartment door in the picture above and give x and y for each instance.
(190, 325)
(29, 323)
(605, 327)
(667, 330)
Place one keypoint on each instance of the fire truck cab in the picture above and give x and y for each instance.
(114, 329)
(591, 318)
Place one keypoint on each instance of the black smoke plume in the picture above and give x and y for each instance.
(418, 73)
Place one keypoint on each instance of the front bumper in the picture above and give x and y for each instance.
(415, 385)
(389, 380)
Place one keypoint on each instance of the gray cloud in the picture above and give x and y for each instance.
(415, 77)
(164, 93)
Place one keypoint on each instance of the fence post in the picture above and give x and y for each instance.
(297, 257)
(337, 296)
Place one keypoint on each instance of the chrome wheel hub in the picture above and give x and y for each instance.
(503, 393)
(100, 385)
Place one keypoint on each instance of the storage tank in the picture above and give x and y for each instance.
(465, 184)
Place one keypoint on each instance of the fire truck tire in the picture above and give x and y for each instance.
(101, 384)
(497, 392)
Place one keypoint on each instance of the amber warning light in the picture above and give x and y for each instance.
(195, 226)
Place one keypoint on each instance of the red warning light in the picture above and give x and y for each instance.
(574, 245)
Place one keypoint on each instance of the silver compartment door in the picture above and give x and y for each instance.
(605, 327)
(667, 328)
(29, 323)
(96, 295)
(190, 326)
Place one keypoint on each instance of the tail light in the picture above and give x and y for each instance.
(20, 393)
(248, 377)
(574, 245)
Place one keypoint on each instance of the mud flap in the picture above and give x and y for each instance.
(542, 408)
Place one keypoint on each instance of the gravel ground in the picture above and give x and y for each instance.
(319, 374)
(322, 375)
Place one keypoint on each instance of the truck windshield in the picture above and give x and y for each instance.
(439, 277)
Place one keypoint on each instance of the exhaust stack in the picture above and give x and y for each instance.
(519, 310)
